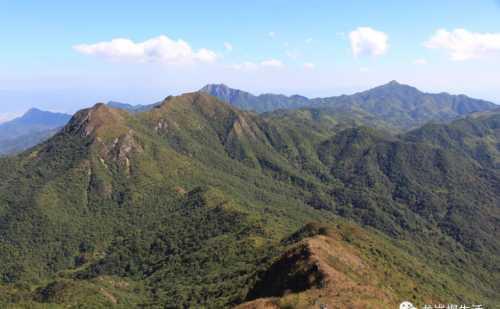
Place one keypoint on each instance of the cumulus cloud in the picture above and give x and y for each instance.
(309, 40)
(158, 50)
(366, 70)
(462, 45)
(272, 33)
(292, 55)
(228, 46)
(366, 41)
(419, 61)
(308, 65)
(272, 63)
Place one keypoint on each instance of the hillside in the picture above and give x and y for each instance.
(337, 264)
(475, 136)
(191, 203)
(323, 121)
(33, 120)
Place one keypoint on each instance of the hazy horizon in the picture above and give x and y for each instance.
(68, 57)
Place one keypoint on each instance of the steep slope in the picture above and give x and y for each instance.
(400, 106)
(339, 265)
(124, 182)
(33, 120)
(261, 103)
(187, 204)
(422, 186)
(476, 136)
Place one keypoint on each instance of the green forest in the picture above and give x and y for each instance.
(194, 203)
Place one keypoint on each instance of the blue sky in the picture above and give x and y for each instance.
(67, 55)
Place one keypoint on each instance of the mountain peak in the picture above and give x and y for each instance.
(214, 88)
(33, 110)
(34, 116)
(89, 120)
(393, 83)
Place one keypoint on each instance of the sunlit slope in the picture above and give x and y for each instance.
(339, 265)
(187, 204)
(476, 136)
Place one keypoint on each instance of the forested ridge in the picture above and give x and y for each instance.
(189, 205)
(393, 107)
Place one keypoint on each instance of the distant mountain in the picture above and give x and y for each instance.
(261, 103)
(134, 109)
(142, 108)
(393, 108)
(33, 120)
(119, 105)
(12, 147)
(402, 107)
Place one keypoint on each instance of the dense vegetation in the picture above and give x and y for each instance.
(476, 136)
(392, 107)
(187, 205)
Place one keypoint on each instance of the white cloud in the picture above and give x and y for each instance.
(366, 70)
(272, 63)
(246, 65)
(309, 40)
(272, 33)
(366, 41)
(462, 45)
(308, 65)
(292, 55)
(342, 35)
(228, 46)
(158, 50)
(419, 61)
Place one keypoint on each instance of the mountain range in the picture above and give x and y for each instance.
(392, 107)
(200, 204)
(260, 104)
